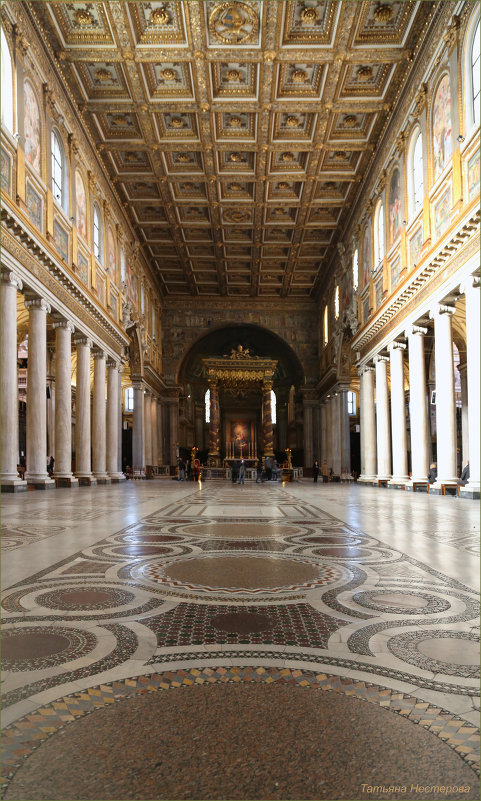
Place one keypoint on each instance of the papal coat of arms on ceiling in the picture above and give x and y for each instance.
(233, 23)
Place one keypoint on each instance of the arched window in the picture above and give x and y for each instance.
(355, 269)
(97, 233)
(416, 181)
(207, 405)
(325, 326)
(129, 399)
(351, 403)
(273, 407)
(58, 169)
(379, 247)
(6, 95)
(336, 302)
(475, 66)
(123, 267)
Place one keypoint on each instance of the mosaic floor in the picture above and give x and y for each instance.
(319, 642)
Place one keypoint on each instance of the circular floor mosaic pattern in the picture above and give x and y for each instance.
(449, 652)
(287, 742)
(85, 598)
(401, 602)
(253, 574)
(35, 648)
(245, 531)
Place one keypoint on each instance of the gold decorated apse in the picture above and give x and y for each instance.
(236, 134)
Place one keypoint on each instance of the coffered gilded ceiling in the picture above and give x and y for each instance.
(236, 133)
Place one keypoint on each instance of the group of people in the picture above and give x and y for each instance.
(267, 470)
(462, 480)
(186, 471)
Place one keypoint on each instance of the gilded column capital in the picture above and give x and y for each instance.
(37, 303)
(379, 359)
(396, 346)
(63, 323)
(82, 339)
(417, 329)
(98, 353)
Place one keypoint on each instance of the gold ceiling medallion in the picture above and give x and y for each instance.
(293, 122)
(233, 76)
(299, 76)
(365, 73)
(383, 13)
(103, 75)
(83, 17)
(236, 216)
(350, 121)
(235, 157)
(119, 120)
(184, 158)
(339, 155)
(235, 122)
(288, 157)
(168, 74)
(233, 23)
(176, 122)
(235, 187)
(159, 16)
(283, 185)
(309, 15)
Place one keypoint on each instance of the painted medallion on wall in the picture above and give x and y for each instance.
(395, 206)
(132, 291)
(379, 292)
(395, 273)
(366, 255)
(81, 206)
(31, 126)
(5, 171)
(441, 213)
(442, 145)
(347, 291)
(111, 250)
(34, 206)
(365, 309)
(83, 267)
(415, 245)
(61, 240)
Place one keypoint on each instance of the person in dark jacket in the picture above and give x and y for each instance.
(464, 478)
(433, 473)
(315, 471)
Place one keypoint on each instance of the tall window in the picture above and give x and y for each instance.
(325, 326)
(129, 399)
(207, 405)
(379, 235)
(57, 169)
(336, 302)
(416, 173)
(351, 403)
(97, 233)
(355, 270)
(6, 95)
(273, 407)
(475, 67)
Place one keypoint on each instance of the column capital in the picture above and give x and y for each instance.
(138, 385)
(37, 303)
(365, 368)
(63, 323)
(81, 339)
(473, 282)
(416, 329)
(380, 359)
(11, 278)
(267, 384)
(441, 308)
(98, 353)
(112, 363)
(213, 383)
(396, 346)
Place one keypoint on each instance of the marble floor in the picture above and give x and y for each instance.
(167, 640)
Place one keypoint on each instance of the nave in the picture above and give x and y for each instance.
(224, 641)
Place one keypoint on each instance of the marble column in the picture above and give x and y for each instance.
(398, 415)
(99, 441)
(329, 419)
(160, 431)
(336, 435)
(446, 434)
(174, 430)
(63, 404)
(83, 469)
(214, 425)
(113, 411)
(307, 431)
(138, 462)
(36, 473)
(120, 467)
(199, 413)
(153, 417)
(463, 372)
(345, 435)
(420, 436)
(268, 434)
(472, 489)
(9, 383)
(50, 402)
(323, 435)
(147, 428)
(383, 428)
(368, 426)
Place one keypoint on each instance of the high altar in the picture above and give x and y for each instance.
(240, 370)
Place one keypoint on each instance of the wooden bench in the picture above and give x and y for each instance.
(417, 484)
(449, 485)
(382, 482)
